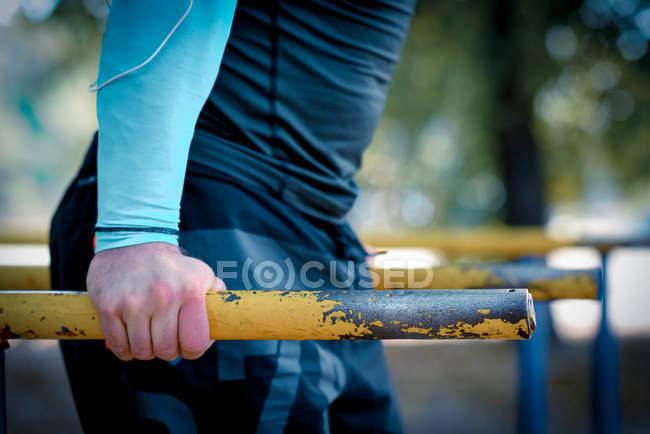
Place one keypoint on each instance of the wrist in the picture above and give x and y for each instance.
(153, 247)
(124, 237)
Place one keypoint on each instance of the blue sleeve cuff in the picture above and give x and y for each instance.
(116, 237)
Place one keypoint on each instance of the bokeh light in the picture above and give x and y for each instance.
(561, 42)
(632, 44)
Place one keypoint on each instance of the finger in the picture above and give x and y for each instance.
(164, 334)
(139, 330)
(217, 285)
(193, 328)
(116, 337)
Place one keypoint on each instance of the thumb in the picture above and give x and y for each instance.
(217, 285)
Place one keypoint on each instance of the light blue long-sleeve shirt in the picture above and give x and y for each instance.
(147, 118)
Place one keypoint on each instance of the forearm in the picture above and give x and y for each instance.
(147, 118)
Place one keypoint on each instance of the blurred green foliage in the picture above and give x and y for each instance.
(472, 69)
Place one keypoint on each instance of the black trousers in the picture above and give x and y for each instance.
(237, 386)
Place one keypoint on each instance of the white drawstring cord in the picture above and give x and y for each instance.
(94, 87)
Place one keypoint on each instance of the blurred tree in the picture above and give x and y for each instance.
(484, 90)
(48, 55)
(525, 100)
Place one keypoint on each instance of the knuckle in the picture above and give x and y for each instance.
(132, 303)
(108, 309)
(205, 271)
(160, 283)
(163, 294)
(193, 287)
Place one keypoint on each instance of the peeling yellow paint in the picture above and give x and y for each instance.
(495, 328)
(377, 324)
(483, 311)
(418, 330)
(310, 318)
(255, 315)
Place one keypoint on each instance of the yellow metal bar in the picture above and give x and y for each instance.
(24, 277)
(320, 315)
(543, 283)
(22, 236)
(508, 242)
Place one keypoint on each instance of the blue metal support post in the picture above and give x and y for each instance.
(532, 406)
(605, 382)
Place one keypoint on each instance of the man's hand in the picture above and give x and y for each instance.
(151, 301)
